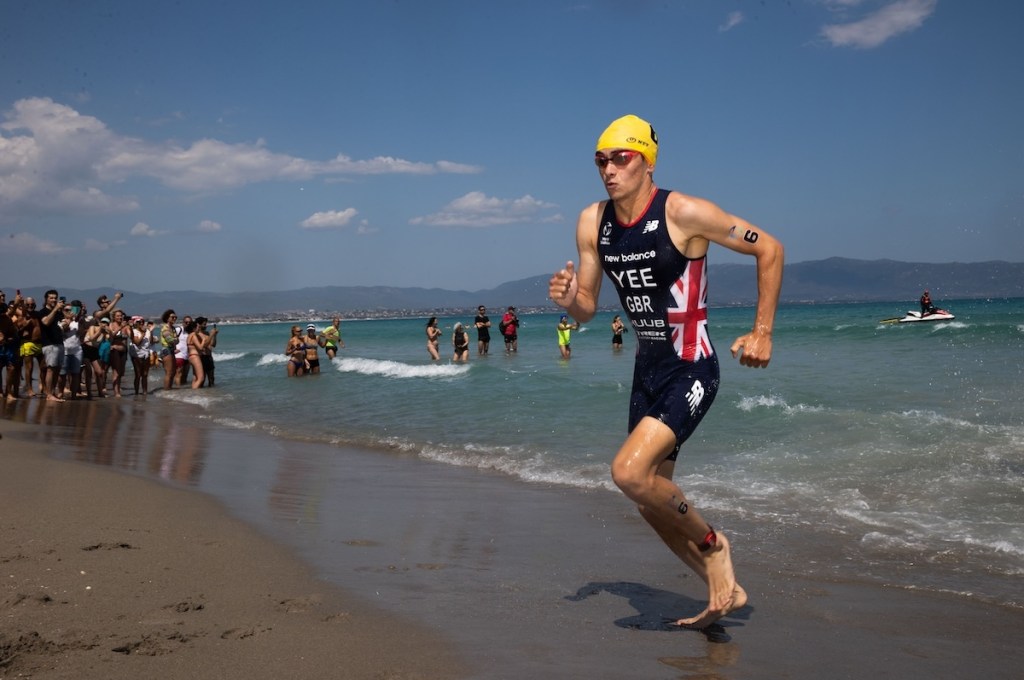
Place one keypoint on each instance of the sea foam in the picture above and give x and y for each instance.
(398, 369)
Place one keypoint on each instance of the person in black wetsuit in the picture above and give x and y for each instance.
(653, 245)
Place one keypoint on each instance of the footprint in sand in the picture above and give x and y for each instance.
(297, 605)
(243, 633)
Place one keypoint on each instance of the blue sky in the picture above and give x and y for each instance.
(249, 146)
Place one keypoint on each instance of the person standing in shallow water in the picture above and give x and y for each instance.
(331, 337)
(460, 343)
(206, 353)
(653, 245)
(483, 331)
(433, 338)
(509, 328)
(618, 328)
(312, 343)
(295, 350)
(565, 330)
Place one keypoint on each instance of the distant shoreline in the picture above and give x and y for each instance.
(831, 281)
(391, 315)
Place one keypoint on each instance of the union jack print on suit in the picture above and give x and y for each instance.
(689, 318)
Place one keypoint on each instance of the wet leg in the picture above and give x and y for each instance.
(640, 471)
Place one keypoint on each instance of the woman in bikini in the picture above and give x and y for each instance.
(93, 367)
(120, 336)
(312, 344)
(197, 343)
(296, 353)
(433, 333)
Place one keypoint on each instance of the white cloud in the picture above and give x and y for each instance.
(329, 219)
(143, 229)
(478, 210)
(873, 30)
(52, 169)
(458, 168)
(365, 228)
(732, 21)
(209, 226)
(54, 159)
(343, 165)
(29, 244)
(93, 245)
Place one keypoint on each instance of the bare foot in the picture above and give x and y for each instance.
(723, 591)
(706, 617)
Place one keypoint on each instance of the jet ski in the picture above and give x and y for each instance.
(917, 317)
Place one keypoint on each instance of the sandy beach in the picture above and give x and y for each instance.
(360, 564)
(110, 576)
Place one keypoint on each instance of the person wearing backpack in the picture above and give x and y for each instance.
(509, 328)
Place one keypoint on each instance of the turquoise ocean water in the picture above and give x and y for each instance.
(887, 453)
(897, 449)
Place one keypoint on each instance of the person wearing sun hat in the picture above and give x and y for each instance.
(313, 345)
(653, 245)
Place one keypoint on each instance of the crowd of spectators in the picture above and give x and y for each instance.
(79, 353)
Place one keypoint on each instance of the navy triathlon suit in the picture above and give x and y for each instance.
(664, 293)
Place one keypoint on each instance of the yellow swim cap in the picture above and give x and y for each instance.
(630, 132)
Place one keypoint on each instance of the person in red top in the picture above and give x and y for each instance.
(509, 328)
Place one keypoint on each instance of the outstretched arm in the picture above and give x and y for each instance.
(111, 306)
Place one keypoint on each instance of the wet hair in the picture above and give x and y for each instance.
(191, 326)
(431, 321)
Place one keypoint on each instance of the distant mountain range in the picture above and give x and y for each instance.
(821, 281)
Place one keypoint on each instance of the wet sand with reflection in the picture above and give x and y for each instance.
(111, 576)
(529, 581)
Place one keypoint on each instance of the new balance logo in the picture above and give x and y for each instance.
(694, 396)
(651, 226)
